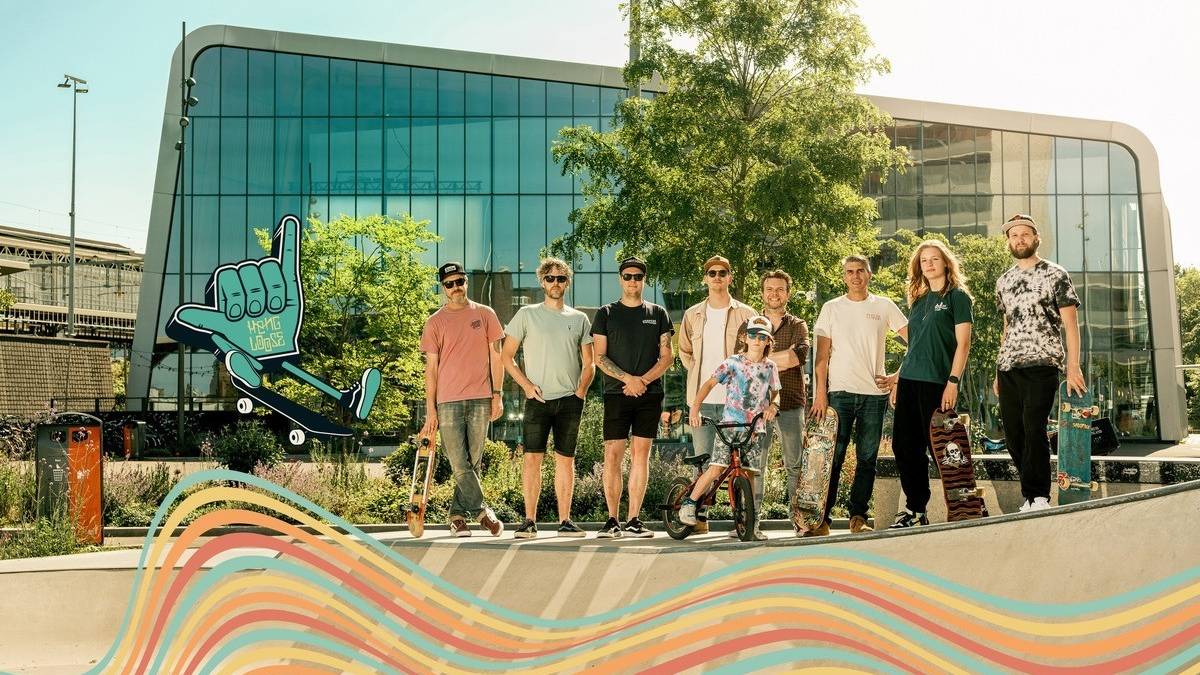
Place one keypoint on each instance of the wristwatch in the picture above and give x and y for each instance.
(497, 391)
(953, 379)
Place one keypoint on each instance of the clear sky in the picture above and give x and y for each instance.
(1099, 59)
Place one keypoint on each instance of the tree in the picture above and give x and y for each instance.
(367, 296)
(1187, 294)
(755, 147)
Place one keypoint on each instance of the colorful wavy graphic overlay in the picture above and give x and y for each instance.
(331, 602)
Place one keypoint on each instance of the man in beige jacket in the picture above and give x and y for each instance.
(707, 337)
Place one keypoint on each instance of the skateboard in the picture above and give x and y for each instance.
(314, 423)
(1075, 446)
(812, 487)
(952, 453)
(425, 455)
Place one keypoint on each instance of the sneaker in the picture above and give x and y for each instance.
(859, 524)
(458, 527)
(758, 534)
(733, 533)
(570, 529)
(907, 518)
(635, 528)
(611, 530)
(687, 512)
(527, 530)
(489, 522)
(821, 531)
(1039, 504)
(1024, 507)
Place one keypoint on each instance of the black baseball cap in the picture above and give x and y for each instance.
(450, 269)
(633, 261)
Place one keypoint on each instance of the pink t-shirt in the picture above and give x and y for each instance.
(461, 339)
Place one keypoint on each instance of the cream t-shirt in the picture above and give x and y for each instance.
(857, 332)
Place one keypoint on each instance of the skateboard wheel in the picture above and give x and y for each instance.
(1066, 407)
(1094, 486)
(1064, 481)
(245, 405)
(296, 437)
(1096, 410)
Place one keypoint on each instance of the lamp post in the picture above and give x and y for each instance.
(77, 86)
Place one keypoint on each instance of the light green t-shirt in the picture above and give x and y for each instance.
(550, 340)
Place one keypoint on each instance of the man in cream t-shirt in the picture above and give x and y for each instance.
(850, 377)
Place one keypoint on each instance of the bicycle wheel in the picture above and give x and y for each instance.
(741, 500)
(670, 508)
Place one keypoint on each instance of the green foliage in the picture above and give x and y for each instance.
(367, 296)
(248, 445)
(46, 537)
(755, 146)
(1187, 293)
(133, 494)
(6, 299)
(18, 491)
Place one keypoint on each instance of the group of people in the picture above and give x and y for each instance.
(741, 363)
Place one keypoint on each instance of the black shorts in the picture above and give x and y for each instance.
(560, 415)
(637, 413)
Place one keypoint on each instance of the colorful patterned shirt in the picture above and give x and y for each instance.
(1030, 301)
(748, 387)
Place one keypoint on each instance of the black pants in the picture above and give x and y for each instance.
(916, 402)
(1026, 396)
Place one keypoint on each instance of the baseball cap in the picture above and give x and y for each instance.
(632, 261)
(759, 324)
(450, 269)
(716, 260)
(1019, 219)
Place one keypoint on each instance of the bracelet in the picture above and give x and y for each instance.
(496, 392)
(953, 379)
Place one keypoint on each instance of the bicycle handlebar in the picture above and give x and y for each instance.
(718, 426)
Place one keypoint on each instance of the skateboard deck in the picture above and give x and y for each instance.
(308, 421)
(952, 453)
(812, 487)
(423, 462)
(1075, 415)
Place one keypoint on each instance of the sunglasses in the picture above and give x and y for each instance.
(633, 277)
(555, 278)
(454, 283)
(758, 336)
(718, 273)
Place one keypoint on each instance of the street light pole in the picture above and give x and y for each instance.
(78, 87)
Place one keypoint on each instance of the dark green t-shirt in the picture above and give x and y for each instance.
(931, 339)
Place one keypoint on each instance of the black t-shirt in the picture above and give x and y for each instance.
(633, 334)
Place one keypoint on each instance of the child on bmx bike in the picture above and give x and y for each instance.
(751, 385)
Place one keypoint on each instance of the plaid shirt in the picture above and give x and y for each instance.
(792, 333)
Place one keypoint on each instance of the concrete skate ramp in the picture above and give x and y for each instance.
(1111, 586)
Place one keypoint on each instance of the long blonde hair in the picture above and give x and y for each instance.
(918, 285)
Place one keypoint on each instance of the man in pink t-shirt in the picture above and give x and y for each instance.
(463, 379)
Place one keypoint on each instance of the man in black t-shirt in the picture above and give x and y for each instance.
(633, 350)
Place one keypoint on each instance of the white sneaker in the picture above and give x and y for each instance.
(687, 513)
(1039, 504)
(1024, 507)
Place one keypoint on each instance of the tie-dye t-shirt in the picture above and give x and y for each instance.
(1030, 301)
(748, 387)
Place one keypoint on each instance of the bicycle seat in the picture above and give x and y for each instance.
(696, 460)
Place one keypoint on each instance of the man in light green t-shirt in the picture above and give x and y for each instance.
(559, 368)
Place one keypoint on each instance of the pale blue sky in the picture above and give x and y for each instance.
(1096, 59)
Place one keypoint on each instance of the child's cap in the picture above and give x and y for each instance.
(759, 324)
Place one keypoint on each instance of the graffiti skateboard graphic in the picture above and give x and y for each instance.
(812, 486)
(251, 320)
(1075, 446)
(952, 452)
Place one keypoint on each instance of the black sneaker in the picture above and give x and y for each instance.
(570, 529)
(635, 528)
(528, 530)
(907, 518)
(611, 530)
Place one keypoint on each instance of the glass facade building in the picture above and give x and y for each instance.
(322, 126)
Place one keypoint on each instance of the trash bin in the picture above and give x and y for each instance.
(70, 473)
(135, 438)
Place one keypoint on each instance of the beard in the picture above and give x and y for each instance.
(1028, 252)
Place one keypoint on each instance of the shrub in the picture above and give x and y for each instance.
(132, 495)
(18, 491)
(247, 446)
(46, 537)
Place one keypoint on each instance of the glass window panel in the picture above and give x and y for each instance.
(961, 156)
(477, 228)
(424, 91)
(424, 155)
(934, 159)
(369, 205)
(340, 206)
(1041, 165)
(608, 265)
(1095, 167)
(398, 206)
(908, 136)
(425, 208)
(341, 157)
(233, 231)
(450, 93)
(451, 154)
(478, 95)
(370, 157)
(260, 151)
(1044, 210)
(1015, 165)
(1068, 163)
(533, 231)
(885, 207)
(260, 94)
(396, 90)
(585, 293)
(505, 227)
(988, 178)
(397, 154)
(370, 89)
(260, 214)
(506, 142)
(1126, 233)
(287, 156)
(343, 88)
(609, 98)
(478, 147)
(283, 206)
(1096, 321)
(556, 182)
(207, 71)
(586, 100)
(935, 215)
(559, 99)
(505, 97)
(233, 81)
(1069, 233)
(1097, 242)
(991, 214)
(533, 97)
(318, 207)
(287, 84)
(1014, 204)
(557, 210)
(204, 151)
(908, 214)
(316, 86)
(203, 242)
(233, 155)
(1123, 170)
(315, 169)
(963, 217)
(533, 155)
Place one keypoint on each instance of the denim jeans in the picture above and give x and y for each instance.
(704, 435)
(790, 425)
(463, 425)
(864, 414)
